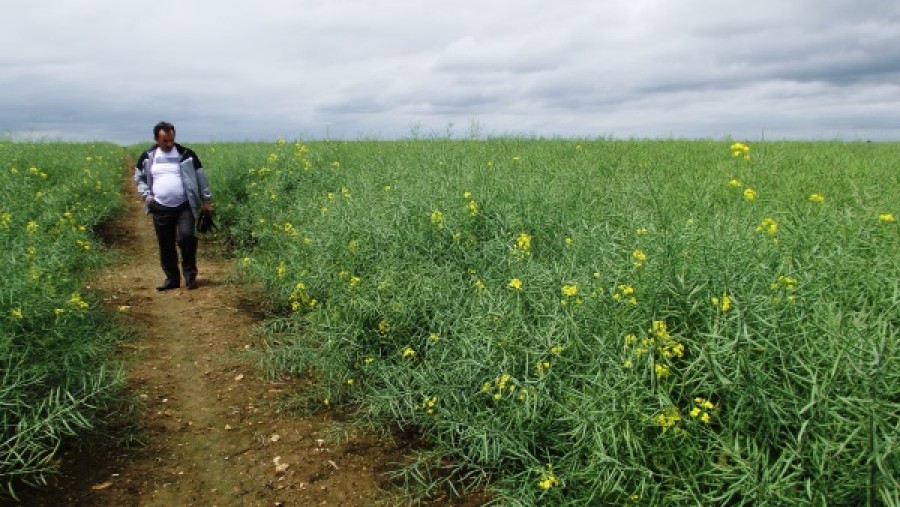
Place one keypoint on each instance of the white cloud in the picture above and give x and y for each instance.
(254, 70)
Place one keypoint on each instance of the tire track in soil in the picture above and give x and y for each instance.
(210, 422)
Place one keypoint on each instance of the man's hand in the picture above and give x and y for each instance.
(149, 199)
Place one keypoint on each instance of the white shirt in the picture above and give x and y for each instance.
(168, 188)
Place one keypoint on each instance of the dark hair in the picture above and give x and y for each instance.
(163, 125)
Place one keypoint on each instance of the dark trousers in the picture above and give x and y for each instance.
(175, 226)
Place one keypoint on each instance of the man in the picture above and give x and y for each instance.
(171, 181)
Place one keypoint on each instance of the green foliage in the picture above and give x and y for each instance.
(592, 322)
(54, 339)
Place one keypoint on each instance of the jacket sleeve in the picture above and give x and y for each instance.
(203, 185)
(202, 182)
(140, 177)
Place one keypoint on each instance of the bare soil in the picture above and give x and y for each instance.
(211, 427)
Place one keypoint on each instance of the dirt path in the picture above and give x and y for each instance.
(212, 430)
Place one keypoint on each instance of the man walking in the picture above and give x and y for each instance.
(171, 181)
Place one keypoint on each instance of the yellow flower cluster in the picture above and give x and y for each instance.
(723, 304)
(702, 410)
(428, 404)
(750, 194)
(657, 340)
(522, 248)
(548, 479)
(886, 217)
(740, 150)
(76, 301)
(665, 344)
(816, 198)
(639, 257)
(624, 293)
(299, 298)
(515, 284)
(437, 218)
(570, 293)
(784, 286)
(768, 225)
(668, 417)
(408, 353)
(504, 385)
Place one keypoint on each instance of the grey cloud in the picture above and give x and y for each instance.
(578, 67)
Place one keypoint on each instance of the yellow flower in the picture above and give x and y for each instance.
(31, 227)
(522, 247)
(569, 290)
(480, 285)
(659, 329)
(886, 217)
(409, 352)
(723, 303)
(368, 360)
(641, 231)
(569, 242)
(542, 366)
(817, 198)
(349, 381)
(548, 481)
(662, 370)
(434, 337)
(16, 313)
(639, 257)
(354, 281)
(473, 208)
(749, 194)
(734, 182)
(516, 284)
(740, 149)
(557, 350)
(437, 218)
(769, 225)
(467, 194)
(383, 327)
(668, 417)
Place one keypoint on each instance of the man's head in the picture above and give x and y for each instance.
(164, 135)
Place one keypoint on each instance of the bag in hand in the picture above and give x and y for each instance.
(205, 222)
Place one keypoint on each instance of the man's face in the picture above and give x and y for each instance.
(166, 140)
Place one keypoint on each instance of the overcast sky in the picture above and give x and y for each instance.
(259, 69)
